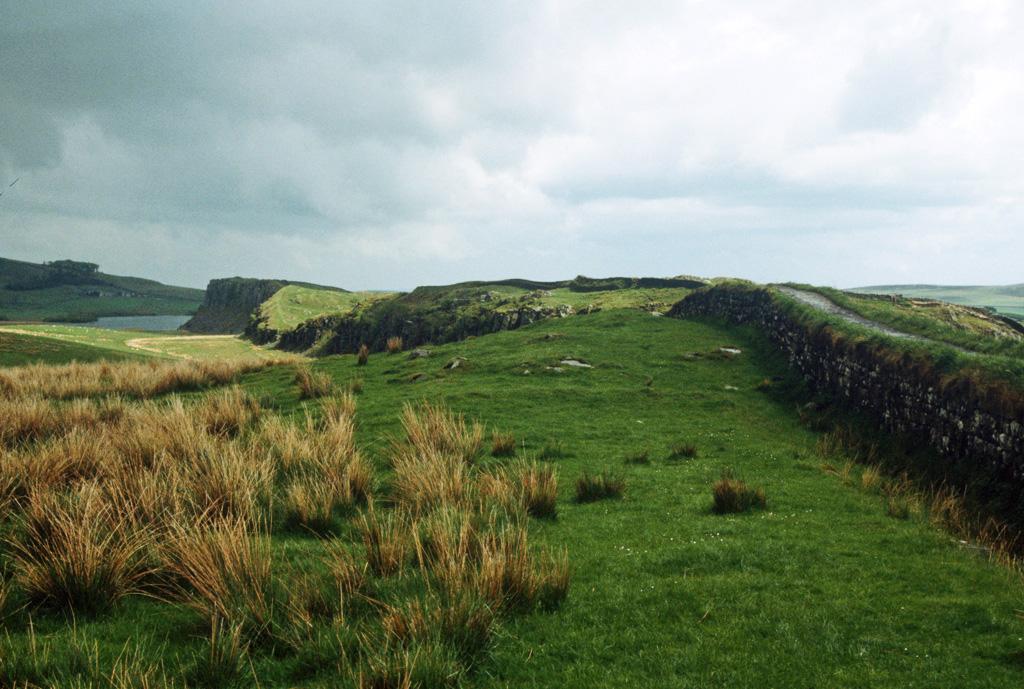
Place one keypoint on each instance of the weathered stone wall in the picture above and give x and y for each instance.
(961, 421)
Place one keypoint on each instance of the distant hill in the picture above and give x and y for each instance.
(1007, 300)
(231, 303)
(76, 291)
(452, 312)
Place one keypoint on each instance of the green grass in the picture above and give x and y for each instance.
(294, 304)
(822, 589)
(19, 350)
(83, 343)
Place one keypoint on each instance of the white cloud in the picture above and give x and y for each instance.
(395, 143)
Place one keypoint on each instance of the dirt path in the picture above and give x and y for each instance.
(826, 305)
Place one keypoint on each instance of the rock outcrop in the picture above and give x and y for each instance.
(229, 304)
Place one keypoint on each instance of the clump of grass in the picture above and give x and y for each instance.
(638, 457)
(226, 573)
(503, 444)
(434, 427)
(553, 448)
(394, 345)
(602, 486)
(898, 506)
(355, 386)
(388, 542)
(223, 662)
(74, 553)
(465, 623)
(526, 486)
(338, 408)
(391, 665)
(363, 355)
(731, 495)
(871, 479)
(310, 505)
(228, 412)
(313, 384)
(682, 451)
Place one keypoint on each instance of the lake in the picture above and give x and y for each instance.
(154, 323)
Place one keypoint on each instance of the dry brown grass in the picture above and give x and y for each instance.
(394, 345)
(731, 495)
(228, 412)
(503, 444)
(226, 573)
(313, 384)
(388, 541)
(427, 478)
(363, 355)
(434, 427)
(74, 552)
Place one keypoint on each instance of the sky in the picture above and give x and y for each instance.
(384, 145)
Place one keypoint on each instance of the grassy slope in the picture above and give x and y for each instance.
(18, 350)
(1007, 300)
(72, 302)
(294, 304)
(821, 590)
(942, 322)
(84, 343)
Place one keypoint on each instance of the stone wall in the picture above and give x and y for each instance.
(978, 433)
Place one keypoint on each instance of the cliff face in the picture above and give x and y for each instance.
(979, 436)
(229, 303)
(344, 334)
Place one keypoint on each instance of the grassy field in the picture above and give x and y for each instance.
(823, 588)
(1006, 300)
(61, 343)
(294, 304)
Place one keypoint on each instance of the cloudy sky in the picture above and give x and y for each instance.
(385, 145)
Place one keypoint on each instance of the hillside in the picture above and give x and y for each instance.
(844, 579)
(1007, 300)
(72, 291)
(295, 304)
(452, 312)
(231, 303)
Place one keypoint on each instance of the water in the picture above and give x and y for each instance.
(153, 323)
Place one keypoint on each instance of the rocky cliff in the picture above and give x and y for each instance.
(229, 304)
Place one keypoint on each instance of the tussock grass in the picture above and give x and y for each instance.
(73, 552)
(682, 451)
(363, 355)
(388, 541)
(503, 444)
(228, 412)
(641, 457)
(602, 486)
(434, 427)
(732, 495)
(394, 345)
(553, 448)
(226, 573)
(313, 384)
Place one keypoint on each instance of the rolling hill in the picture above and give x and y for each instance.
(1007, 300)
(73, 291)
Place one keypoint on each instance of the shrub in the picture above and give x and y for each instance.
(603, 486)
(638, 457)
(503, 444)
(313, 384)
(363, 355)
(394, 345)
(74, 553)
(682, 451)
(732, 495)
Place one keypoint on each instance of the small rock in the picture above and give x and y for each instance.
(455, 363)
(419, 353)
(730, 350)
(575, 363)
(555, 369)
(526, 372)
(731, 387)
(657, 313)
